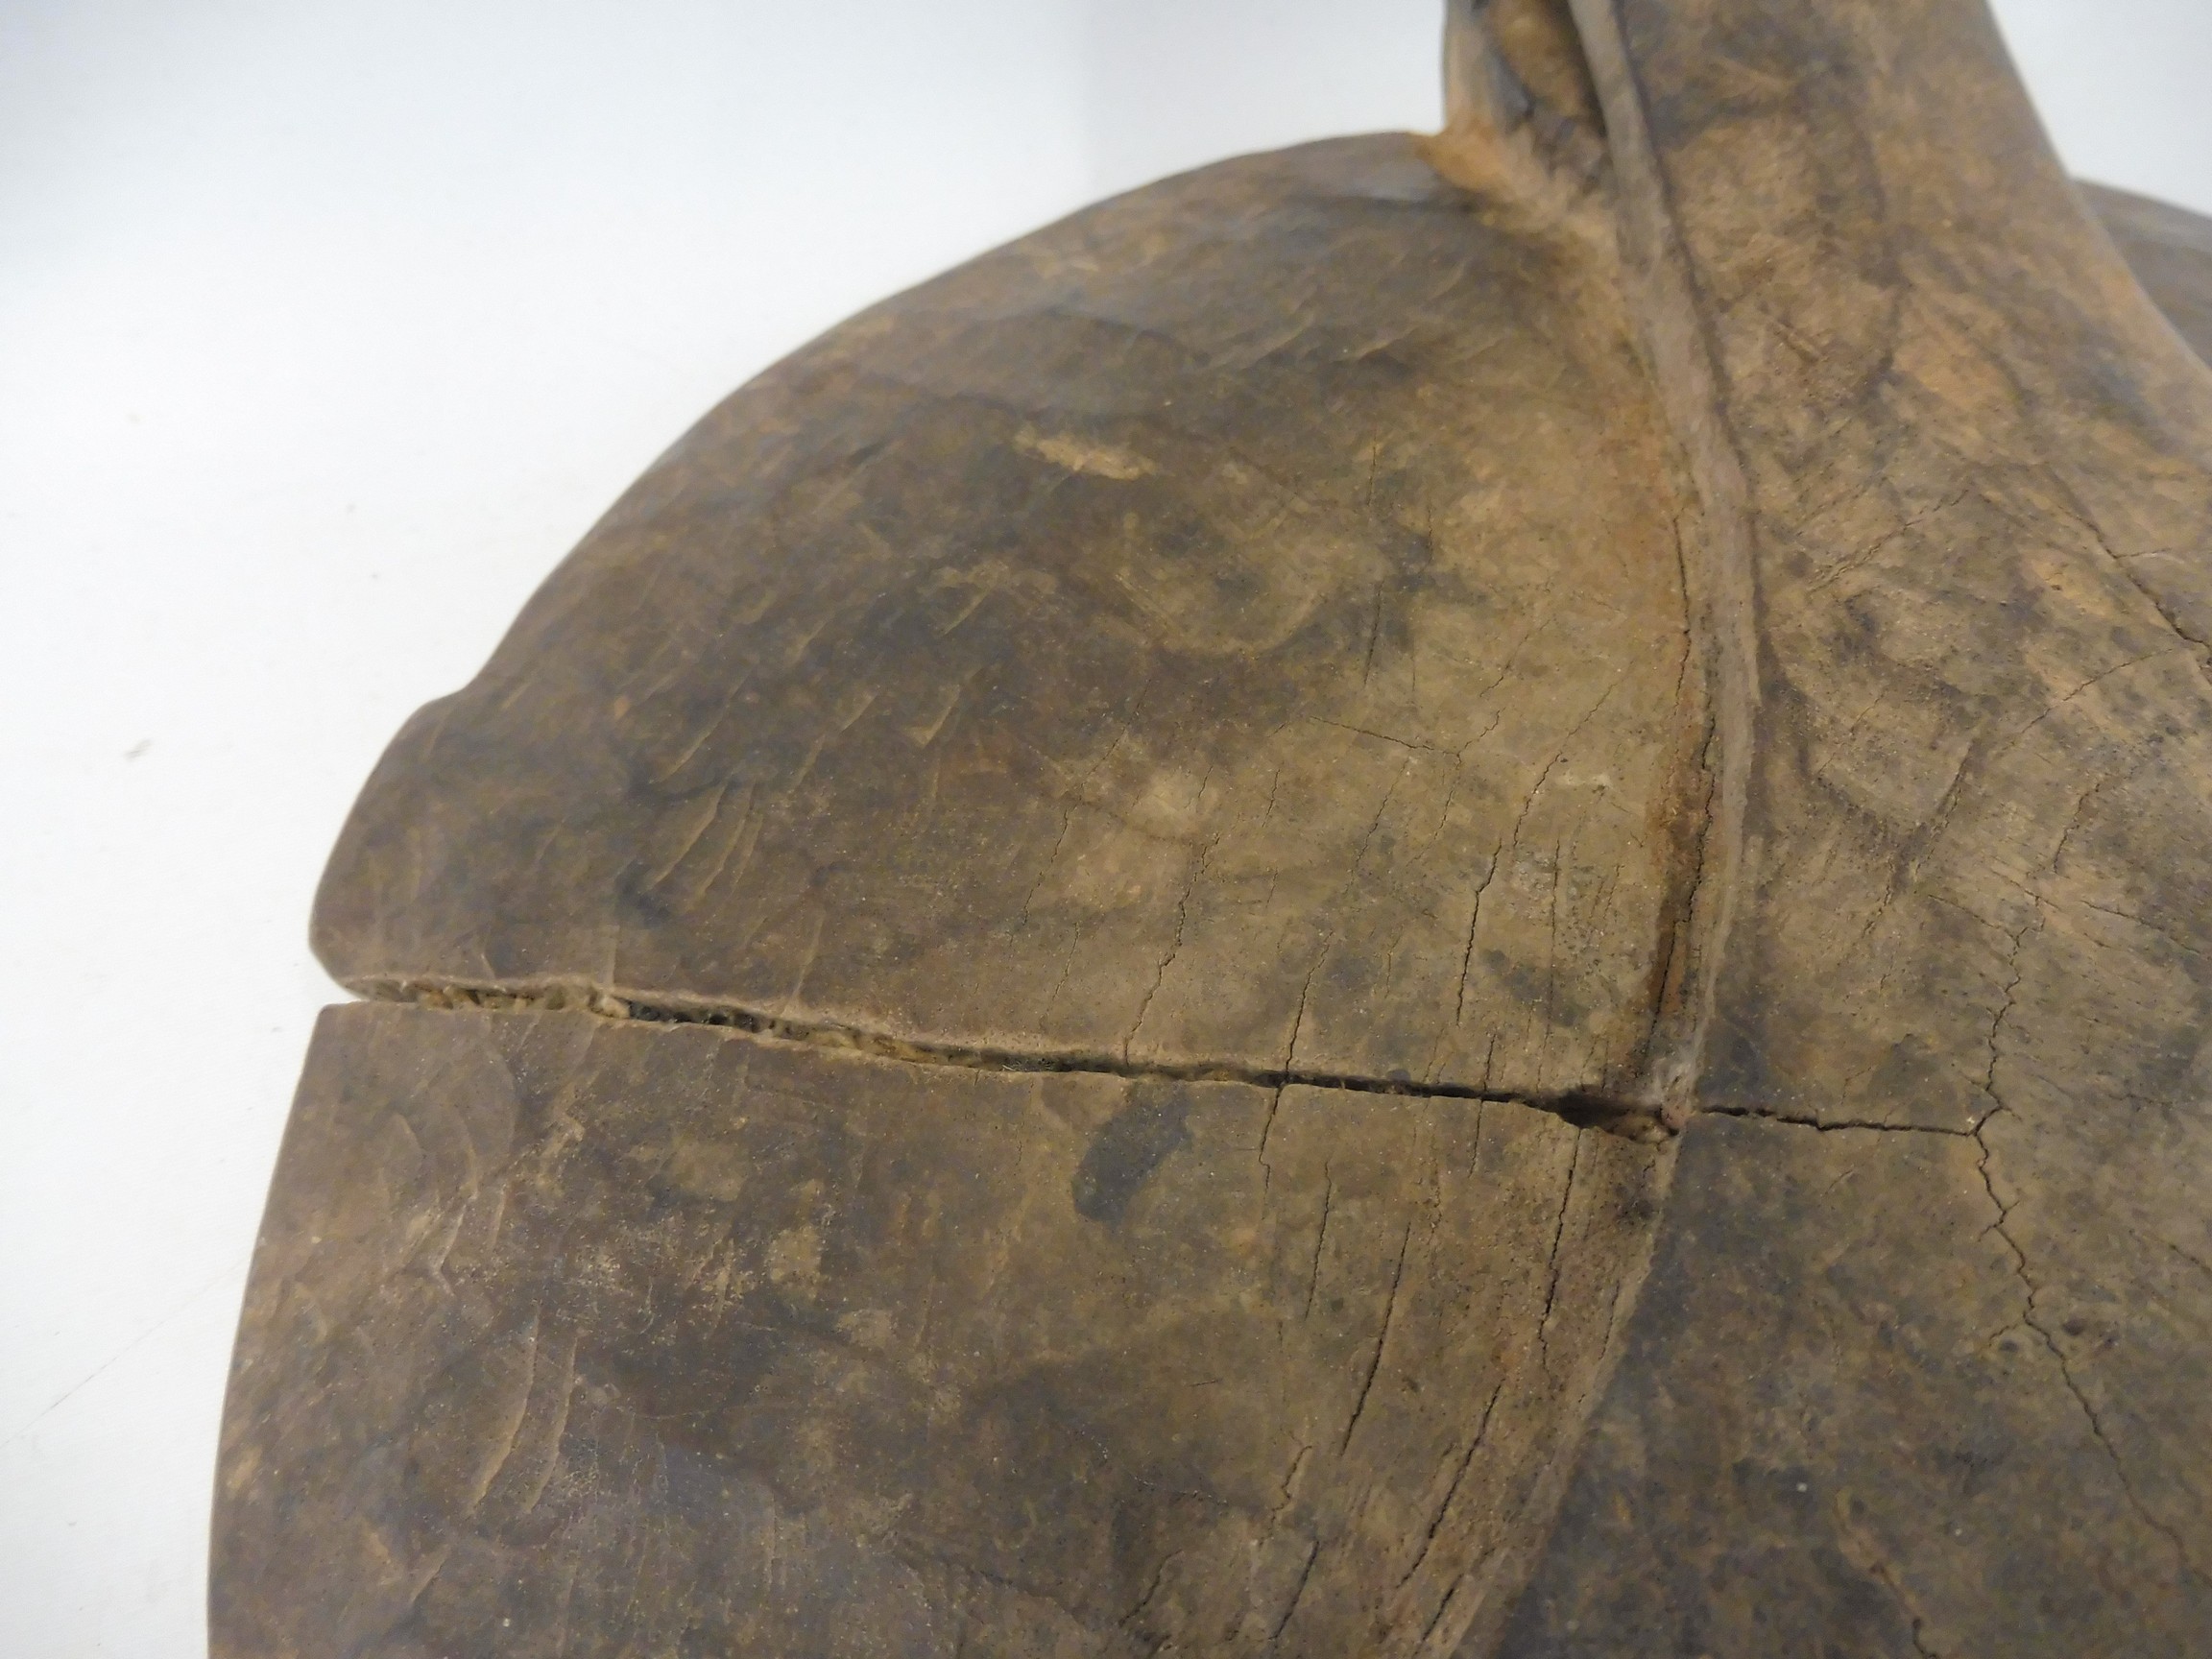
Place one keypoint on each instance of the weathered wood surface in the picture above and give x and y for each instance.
(578, 1335)
(1174, 638)
(1423, 897)
(1972, 886)
(1841, 1425)
(2170, 250)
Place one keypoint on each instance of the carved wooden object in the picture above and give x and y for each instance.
(1424, 897)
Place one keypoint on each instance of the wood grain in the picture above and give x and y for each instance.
(1428, 896)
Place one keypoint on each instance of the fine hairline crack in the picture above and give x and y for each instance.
(1582, 1108)
(1831, 1125)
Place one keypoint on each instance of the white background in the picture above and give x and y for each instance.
(324, 329)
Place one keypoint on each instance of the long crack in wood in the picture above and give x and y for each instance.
(1583, 1108)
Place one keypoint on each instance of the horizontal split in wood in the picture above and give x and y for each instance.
(1631, 1119)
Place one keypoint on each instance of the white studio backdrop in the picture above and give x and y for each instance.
(326, 328)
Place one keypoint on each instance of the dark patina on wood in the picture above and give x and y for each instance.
(1425, 896)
